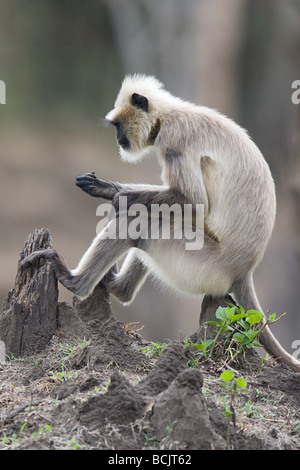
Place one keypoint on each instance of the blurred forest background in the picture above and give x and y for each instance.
(63, 62)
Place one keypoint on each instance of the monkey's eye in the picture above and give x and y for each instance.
(140, 102)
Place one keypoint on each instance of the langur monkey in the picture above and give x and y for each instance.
(205, 158)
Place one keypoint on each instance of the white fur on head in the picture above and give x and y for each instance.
(146, 85)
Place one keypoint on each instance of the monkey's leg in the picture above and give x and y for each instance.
(95, 263)
(245, 295)
(105, 251)
(126, 283)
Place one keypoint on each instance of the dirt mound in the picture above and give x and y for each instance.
(103, 392)
(97, 384)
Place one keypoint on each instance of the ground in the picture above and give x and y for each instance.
(99, 385)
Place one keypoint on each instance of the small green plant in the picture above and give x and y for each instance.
(239, 329)
(233, 387)
(154, 350)
(10, 358)
(41, 432)
(68, 352)
(169, 427)
(72, 445)
(151, 442)
(203, 347)
(63, 376)
(102, 389)
(9, 440)
(13, 439)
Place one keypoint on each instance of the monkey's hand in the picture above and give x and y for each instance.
(96, 187)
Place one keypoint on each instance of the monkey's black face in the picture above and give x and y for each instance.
(136, 123)
(139, 102)
(121, 136)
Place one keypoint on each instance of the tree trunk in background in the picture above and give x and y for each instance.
(270, 65)
(204, 35)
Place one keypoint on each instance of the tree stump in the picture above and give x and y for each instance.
(29, 316)
(32, 313)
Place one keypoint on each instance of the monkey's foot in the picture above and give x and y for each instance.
(36, 255)
(62, 273)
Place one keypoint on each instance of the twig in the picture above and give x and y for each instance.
(20, 409)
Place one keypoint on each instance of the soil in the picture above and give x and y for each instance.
(98, 385)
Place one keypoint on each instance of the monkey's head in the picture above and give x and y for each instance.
(137, 116)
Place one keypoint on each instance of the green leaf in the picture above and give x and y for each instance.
(244, 324)
(202, 346)
(239, 337)
(235, 308)
(230, 312)
(221, 313)
(229, 328)
(241, 383)
(251, 335)
(251, 311)
(254, 318)
(272, 317)
(240, 310)
(239, 316)
(227, 375)
(216, 323)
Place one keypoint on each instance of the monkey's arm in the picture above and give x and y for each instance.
(97, 187)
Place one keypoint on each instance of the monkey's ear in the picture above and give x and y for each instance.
(140, 102)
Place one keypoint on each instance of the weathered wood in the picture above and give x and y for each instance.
(32, 313)
(29, 316)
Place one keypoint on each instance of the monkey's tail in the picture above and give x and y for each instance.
(245, 295)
